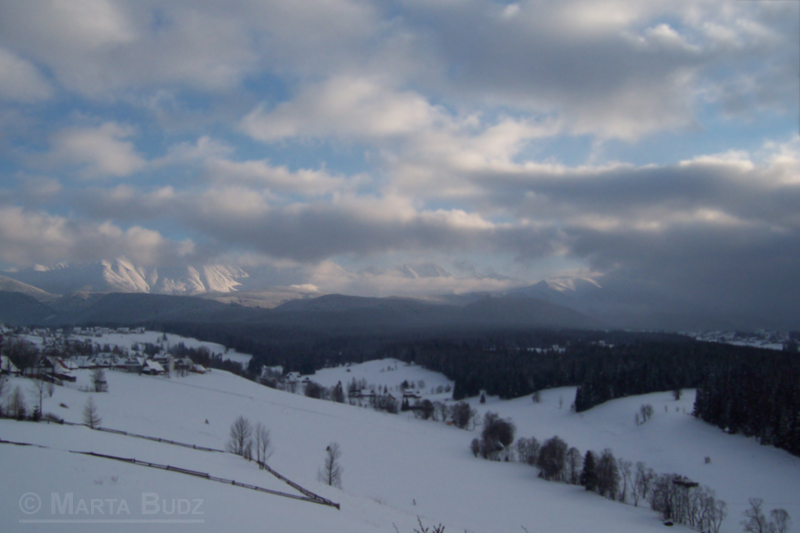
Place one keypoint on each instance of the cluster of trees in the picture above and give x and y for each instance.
(644, 414)
(676, 498)
(758, 396)
(249, 441)
(204, 356)
(503, 364)
(24, 354)
(254, 443)
(505, 370)
(756, 521)
(334, 394)
(460, 414)
(496, 437)
(14, 406)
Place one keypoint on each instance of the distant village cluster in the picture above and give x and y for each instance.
(54, 354)
(774, 340)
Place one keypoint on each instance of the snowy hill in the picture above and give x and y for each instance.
(395, 467)
(11, 285)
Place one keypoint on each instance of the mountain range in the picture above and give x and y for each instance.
(120, 292)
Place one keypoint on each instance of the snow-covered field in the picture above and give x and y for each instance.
(395, 467)
(389, 373)
(128, 340)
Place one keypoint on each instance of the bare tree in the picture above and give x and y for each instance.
(528, 450)
(423, 529)
(574, 466)
(645, 413)
(625, 472)
(755, 521)
(99, 380)
(39, 386)
(331, 471)
(263, 445)
(607, 475)
(90, 416)
(462, 415)
(779, 521)
(24, 354)
(241, 434)
(15, 406)
(717, 511)
(643, 482)
(3, 383)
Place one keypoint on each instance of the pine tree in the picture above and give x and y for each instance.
(589, 474)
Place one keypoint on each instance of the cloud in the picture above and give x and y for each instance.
(102, 49)
(99, 152)
(28, 237)
(329, 277)
(247, 219)
(475, 128)
(190, 154)
(264, 176)
(20, 81)
(345, 108)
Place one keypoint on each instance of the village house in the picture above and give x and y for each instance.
(152, 368)
(54, 368)
(7, 367)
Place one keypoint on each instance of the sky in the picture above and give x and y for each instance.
(328, 142)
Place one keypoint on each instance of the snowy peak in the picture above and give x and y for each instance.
(423, 270)
(411, 271)
(124, 276)
(559, 288)
(121, 275)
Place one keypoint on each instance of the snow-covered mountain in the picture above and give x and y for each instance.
(122, 275)
(11, 285)
(410, 271)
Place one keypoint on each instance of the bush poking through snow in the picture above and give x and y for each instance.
(423, 529)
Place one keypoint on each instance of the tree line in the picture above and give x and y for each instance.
(757, 396)
(677, 499)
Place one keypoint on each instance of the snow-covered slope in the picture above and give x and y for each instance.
(395, 467)
(11, 285)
